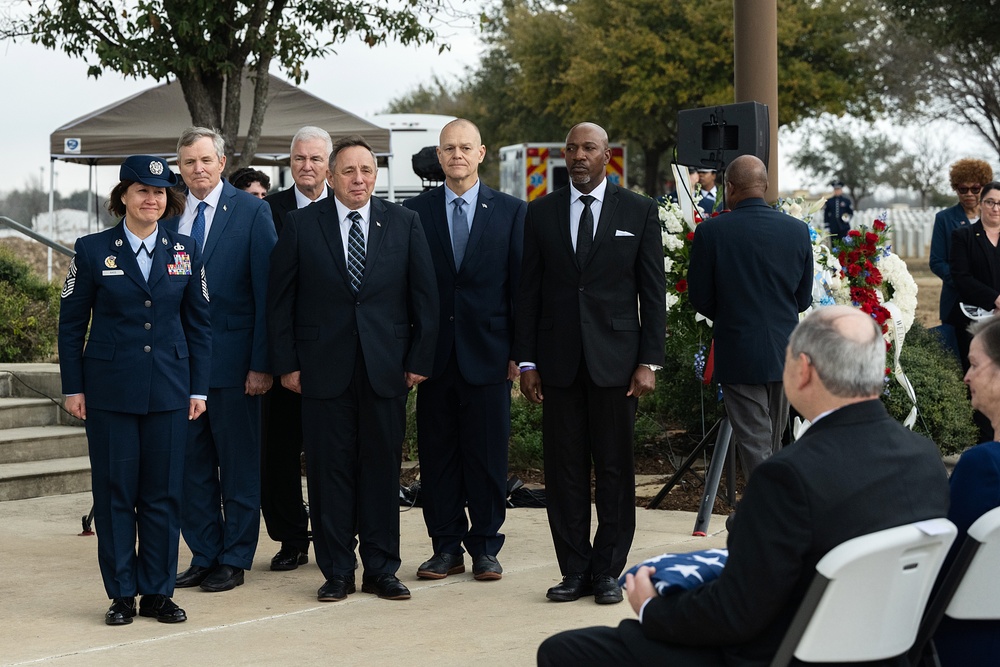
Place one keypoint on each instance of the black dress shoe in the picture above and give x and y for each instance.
(607, 590)
(121, 611)
(386, 586)
(486, 568)
(224, 578)
(162, 608)
(193, 576)
(572, 587)
(441, 565)
(336, 588)
(288, 558)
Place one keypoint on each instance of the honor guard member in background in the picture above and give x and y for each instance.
(590, 323)
(352, 316)
(463, 410)
(221, 510)
(284, 512)
(138, 379)
(837, 212)
(708, 191)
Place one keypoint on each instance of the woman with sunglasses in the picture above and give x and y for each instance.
(968, 176)
(975, 268)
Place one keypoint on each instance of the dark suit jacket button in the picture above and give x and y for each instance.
(146, 348)
(357, 303)
(147, 326)
(451, 319)
(581, 288)
(148, 304)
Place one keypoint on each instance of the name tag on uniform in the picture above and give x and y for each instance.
(181, 265)
(115, 272)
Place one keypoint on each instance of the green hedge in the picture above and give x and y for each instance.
(29, 312)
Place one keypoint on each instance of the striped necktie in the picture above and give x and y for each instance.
(355, 251)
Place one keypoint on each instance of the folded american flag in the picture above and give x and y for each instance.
(681, 572)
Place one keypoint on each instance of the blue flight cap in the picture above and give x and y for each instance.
(149, 170)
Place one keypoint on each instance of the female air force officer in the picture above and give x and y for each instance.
(139, 377)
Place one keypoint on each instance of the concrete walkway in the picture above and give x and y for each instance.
(52, 602)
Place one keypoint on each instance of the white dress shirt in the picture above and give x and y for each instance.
(576, 207)
(345, 225)
(191, 210)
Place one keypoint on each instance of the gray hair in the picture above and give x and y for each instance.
(193, 134)
(348, 142)
(988, 332)
(849, 357)
(310, 132)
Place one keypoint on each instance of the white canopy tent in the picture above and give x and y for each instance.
(151, 121)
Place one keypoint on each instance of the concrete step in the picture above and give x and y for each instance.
(30, 381)
(44, 478)
(41, 443)
(20, 412)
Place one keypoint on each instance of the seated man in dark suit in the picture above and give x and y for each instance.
(855, 471)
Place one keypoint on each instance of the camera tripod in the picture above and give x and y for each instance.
(722, 432)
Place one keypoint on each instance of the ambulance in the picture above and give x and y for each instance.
(531, 170)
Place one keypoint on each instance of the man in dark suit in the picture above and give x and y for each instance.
(855, 471)
(222, 461)
(590, 324)
(352, 313)
(751, 273)
(281, 429)
(475, 236)
(837, 212)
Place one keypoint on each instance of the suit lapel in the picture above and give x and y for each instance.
(162, 255)
(439, 226)
(604, 224)
(480, 221)
(124, 258)
(220, 220)
(329, 226)
(562, 213)
(377, 225)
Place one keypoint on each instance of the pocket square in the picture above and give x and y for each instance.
(622, 232)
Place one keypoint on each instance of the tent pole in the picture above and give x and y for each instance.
(52, 216)
(90, 193)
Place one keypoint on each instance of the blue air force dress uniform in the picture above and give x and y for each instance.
(148, 352)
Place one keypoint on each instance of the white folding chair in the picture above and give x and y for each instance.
(970, 588)
(868, 596)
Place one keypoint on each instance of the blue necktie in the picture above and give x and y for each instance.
(355, 251)
(459, 231)
(198, 226)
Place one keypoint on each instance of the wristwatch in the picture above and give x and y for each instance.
(652, 367)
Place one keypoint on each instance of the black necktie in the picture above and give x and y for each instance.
(585, 235)
(355, 251)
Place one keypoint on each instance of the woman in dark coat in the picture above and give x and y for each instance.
(137, 378)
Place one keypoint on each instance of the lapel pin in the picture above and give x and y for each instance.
(378, 224)
(178, 246)
(118, 243)
(110, 262)
(163, 240)
(224, 207)
(484, 205)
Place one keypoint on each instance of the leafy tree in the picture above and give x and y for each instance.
(853, 150)
(23, 205)
(951, 56)
(631, 65)
(208, 44)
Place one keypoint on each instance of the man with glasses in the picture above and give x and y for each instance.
(968, 176)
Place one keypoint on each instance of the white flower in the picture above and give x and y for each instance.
(663, 213)
(668, 264)
(795, 210)
(671, 242)
(671, 300)
(674, 225)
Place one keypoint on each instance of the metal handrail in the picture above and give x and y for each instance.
(41, 238)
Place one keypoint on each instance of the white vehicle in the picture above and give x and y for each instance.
(410, 132)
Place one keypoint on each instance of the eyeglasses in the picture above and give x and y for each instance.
(991, 203)
(965, 189)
